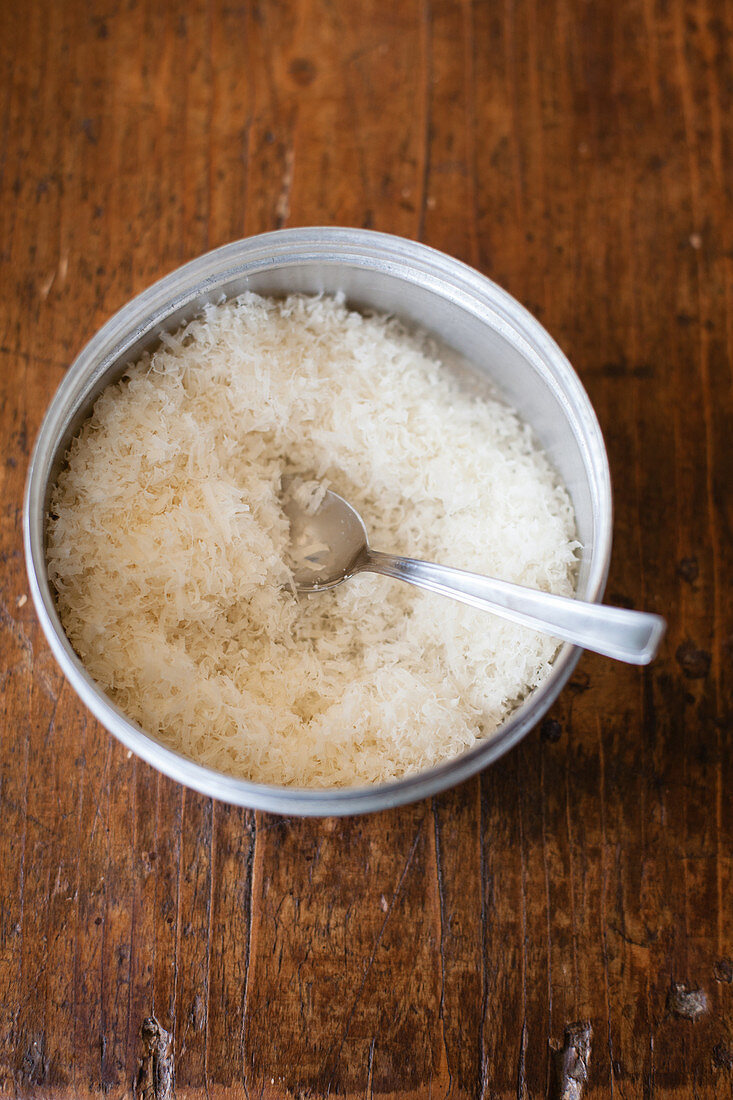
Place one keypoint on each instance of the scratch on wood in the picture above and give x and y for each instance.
(370, 1069)
(44, 288)
(59, 273)
(282, 207)
(25, 644)
(571, 1062)
(250, 876)
(522, 1091)
(441, 913)
(154, 1080)
(426, 44)
(483, 1059)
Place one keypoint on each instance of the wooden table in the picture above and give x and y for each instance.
(575, 152)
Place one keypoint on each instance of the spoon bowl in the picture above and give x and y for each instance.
(326, 545)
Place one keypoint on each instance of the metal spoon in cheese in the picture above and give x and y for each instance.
(329, 544)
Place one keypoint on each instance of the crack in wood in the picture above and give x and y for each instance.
(522, 1091)
(155, 1077)
(571, 1061)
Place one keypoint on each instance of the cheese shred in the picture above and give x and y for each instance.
(167, 546)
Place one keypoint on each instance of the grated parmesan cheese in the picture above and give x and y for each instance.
(167, 546)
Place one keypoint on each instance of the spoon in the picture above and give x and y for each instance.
(330, 545)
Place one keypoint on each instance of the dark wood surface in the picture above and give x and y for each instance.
(579, 154)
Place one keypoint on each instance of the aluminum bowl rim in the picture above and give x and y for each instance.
(146, 313)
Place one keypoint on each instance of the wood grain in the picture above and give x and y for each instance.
(579, 154)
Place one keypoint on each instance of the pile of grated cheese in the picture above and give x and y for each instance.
(167, 546)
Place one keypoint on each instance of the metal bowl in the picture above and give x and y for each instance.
(464, 310)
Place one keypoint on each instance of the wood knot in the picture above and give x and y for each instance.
(571, 1061)
(694, 662)
(723, 970)
(580, 682)
(688, 569)
(302, 70)
(551, 730)
(198, 1012)
(722, 1056)
(686, 1003)
(154, 1079)
(34, 1067)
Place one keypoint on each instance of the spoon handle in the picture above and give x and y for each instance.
(632, 636)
